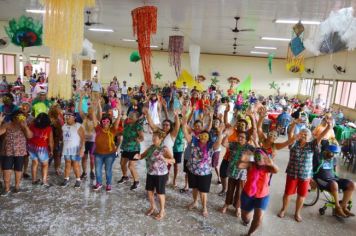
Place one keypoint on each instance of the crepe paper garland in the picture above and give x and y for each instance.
(144, 24)
(194, 54)
(25, 32)
(135, 56)
(158, 75)
(63, 34)
(270, 59)
(175, 50)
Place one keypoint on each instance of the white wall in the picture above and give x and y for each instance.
(118, 64)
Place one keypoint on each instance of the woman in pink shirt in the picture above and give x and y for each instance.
(255, 195)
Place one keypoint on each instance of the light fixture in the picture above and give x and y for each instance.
(256, 52)
(36, 11)
(153, 46)
(268, 48)
(101, 30)
(275, 39)
(305, 22)
(129, 40)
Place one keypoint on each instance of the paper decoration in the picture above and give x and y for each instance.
(194, 54)
(25, 32)
(273, 85)
(190, 81)
(88, 50)
(144, 23)
(135, 56)
(337, 32)
(214, 81)
(245, 85)
(175, 50)
(295, 55)
(158, 75)
(63, 34)
(270, 59)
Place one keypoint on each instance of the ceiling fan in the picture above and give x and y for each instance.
(237, 30)
(88, 22)
(339, 69)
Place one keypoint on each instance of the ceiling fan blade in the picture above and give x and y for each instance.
(251, 30)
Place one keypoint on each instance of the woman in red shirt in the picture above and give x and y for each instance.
(40, 146)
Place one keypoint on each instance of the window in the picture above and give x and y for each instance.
(345, 94)
(7, 64)
(306, 87)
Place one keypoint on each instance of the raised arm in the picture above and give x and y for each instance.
(175, 130)
(149, 119)
(262, 113)
(326, 130)
(187, 135)
(217, 143)
(211, 119)
(80, 109)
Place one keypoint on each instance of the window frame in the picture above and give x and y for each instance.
(3, 63)
(342, 92)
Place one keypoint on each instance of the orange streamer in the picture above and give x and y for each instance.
(144, 23)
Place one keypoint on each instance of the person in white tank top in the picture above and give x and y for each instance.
(154, 109)
(73, 148)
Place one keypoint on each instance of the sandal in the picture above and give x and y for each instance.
(183, 190)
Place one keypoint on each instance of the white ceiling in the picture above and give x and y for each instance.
(207, 23)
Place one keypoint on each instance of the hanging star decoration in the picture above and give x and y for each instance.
(273, 85)
(214, 81)
(158, 75)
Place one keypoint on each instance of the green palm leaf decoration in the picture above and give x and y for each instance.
(25, 32)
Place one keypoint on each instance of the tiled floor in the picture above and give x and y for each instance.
(58, 211)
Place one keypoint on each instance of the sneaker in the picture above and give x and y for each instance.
(97, 187)
(5, 193)
(123, 180)
(65, 183)
(134, 185)
(108, 188)
(83, 176)
(92, 175)
(77, 184)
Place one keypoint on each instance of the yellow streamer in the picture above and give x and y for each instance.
(63, 34)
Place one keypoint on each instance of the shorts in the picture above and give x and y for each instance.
(72, 157)
(325, 184)
(185, 168)
(40, 155)
(296, 185)
(178, 157)
(200, 182)
(215, 159)
(12, 162)
(156, 182)
(238, 107)
(129, 155)
(89, 148)
(249, 203)
(223, 168)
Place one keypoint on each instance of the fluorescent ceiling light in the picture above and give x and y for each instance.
(275, 39)
(153, 46)
(268, 48)
(305, 22)
(36, 11)
(129, 40)
(256, 52)
(101, 30)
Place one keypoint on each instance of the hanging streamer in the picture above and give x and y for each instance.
(144, 23)
(175, 50)
(63, 34)
(194, 54)
(270, 59)
(295, 54)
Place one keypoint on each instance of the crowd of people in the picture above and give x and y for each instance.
(189, 130)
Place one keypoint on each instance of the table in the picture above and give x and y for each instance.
(343, 132)
(312, 116)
